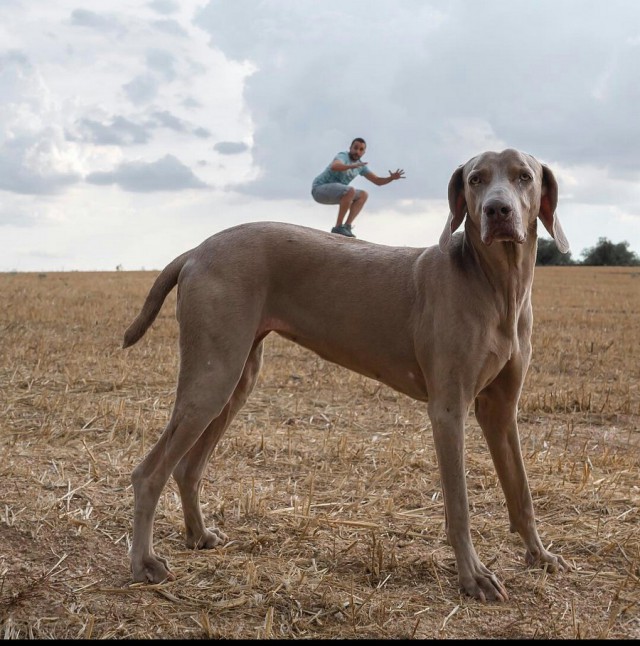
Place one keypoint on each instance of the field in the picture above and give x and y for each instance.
(326, 483)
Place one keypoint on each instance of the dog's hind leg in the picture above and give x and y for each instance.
(189, 471)
(209, 375)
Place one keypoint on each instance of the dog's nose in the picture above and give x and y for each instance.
(497, 210)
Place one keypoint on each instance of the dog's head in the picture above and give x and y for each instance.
(503, 193)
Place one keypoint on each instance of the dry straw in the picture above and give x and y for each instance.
(326, 483)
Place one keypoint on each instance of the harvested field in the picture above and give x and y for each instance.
(326, 483)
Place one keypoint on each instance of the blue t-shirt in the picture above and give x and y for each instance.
(328, 176)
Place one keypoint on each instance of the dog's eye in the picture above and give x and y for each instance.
(474, 179)
(525, 176)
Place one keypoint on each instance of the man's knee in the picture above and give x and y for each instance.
(349, 194)
(363, 196)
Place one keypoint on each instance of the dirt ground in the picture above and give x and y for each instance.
(326, 483)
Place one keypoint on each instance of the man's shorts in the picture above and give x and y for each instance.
(332, 193)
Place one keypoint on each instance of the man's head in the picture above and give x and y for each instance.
(357, 148)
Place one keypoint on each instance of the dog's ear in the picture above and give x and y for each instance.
(457, 208)
(548, 203)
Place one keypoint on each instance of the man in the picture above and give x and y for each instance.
(332, 185)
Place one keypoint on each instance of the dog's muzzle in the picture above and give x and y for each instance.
(501, 222)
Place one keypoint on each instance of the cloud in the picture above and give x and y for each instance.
(142, 89)
(255, 98)
(170, 28)
(166, 174)
(99, 22)
(163, 63)
(28, 165)
(62, 118)
(34, 155)
(122, 131)
(201, 132)
(119, 132)
(166, 119)
(164, 6)
(170, 121)
(456, 78)
(230, 147)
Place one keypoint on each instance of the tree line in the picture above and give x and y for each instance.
(603, 254)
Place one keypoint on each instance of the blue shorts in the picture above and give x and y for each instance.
(332, 193)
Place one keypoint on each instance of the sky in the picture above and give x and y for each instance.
(131, 131)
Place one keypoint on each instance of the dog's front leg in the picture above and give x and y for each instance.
(447, 420)
(496, 410)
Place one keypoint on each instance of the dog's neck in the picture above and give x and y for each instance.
(508, 268)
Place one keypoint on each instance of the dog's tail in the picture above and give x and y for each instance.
(167, 279)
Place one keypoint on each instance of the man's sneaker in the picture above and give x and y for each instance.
(343, 230)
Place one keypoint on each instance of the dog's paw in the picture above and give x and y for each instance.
(483, 585)
(544, 559)
(207, 540)
(152, 569)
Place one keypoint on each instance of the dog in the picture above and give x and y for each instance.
(449, 325)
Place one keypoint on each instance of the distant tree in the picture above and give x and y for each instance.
(548, 254)
(606, 253)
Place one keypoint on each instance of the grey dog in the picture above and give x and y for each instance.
(449, 325)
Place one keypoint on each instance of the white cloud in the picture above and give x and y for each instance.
(34, 155)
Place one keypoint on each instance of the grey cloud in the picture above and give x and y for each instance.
(144, 87)
(120, 132)
(98, 21)
(462, 76)
(166, 174)
(141, 89)
(170, 121)
(230, 147)
(201, 133)
(162, 62)
(190, 102)
(306, 116)
(164, 6)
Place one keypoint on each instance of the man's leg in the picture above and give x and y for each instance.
(345, 197)
(345, 203)
(356, 206)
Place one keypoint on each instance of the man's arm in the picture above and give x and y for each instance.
(381, 181)
(340, 166)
